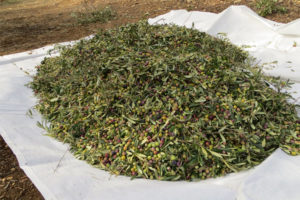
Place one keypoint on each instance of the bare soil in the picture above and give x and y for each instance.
(30, 24)
(14, 184)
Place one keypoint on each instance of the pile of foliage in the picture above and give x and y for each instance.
(164, 102)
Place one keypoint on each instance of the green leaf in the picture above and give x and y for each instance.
(215, 154)
(200, 100)
(54, 99)
(204, 152)
(220, 131)
(263, 144)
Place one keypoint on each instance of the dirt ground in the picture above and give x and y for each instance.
(14, 184)
(30, 24)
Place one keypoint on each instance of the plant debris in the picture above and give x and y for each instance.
(164, 102)
(269, 7)
(93, 15)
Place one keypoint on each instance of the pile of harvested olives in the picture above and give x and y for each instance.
(164, 102)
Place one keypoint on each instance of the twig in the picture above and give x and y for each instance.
(60, 160)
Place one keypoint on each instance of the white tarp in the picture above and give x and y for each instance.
(58, 175)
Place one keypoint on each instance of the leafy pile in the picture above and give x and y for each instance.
(164, 102)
